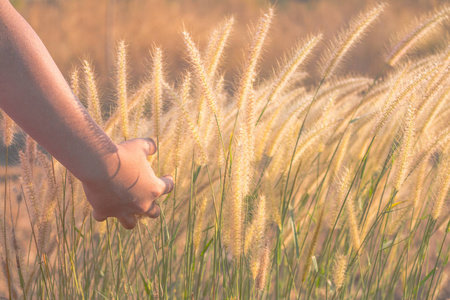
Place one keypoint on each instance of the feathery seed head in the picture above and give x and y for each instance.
(94, 108)
(157, 85)
(391, 107)
(342, 150)
(419, 182)
(286, 127)
(75, 82)
(419, 32)
(200, 73)
(261, 275)
(312, 138)
(300, 55)
(122, 88)
(199, 223)
(436, 107)
(255, 232)
(436, 144)
(353, 223)
(201, 158)
(341, 189)
(217, 44)
(247, 78)
(348, 38)
(442, 188)
(312, 247)
(8, 128)
(406, 147)
(179, 126)
(339, 270)
(28, 180)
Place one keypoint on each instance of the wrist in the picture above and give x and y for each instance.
(95, 168)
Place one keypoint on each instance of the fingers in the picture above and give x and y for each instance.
(98, 217)
(128, 221)
(154, 210)
(168, 184)
(149, 146)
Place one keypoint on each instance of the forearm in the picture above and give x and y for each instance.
(36, 96)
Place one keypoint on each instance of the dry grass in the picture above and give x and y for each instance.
(284, 190)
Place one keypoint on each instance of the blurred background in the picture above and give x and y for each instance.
(78, 29)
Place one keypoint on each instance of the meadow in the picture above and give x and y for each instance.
(287, 187)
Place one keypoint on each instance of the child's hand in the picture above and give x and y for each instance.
(131, 186)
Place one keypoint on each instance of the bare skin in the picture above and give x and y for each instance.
(117, 179)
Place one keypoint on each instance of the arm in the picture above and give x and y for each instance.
(117, 179)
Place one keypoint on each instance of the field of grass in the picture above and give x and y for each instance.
(284, 189)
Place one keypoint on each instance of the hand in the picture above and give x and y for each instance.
(130, 187)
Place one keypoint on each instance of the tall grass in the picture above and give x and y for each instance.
(283, 191)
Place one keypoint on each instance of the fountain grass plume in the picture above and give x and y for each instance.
(312, 138)
(93, 101)
(75, 82)
(347, 39)
(442, 187)
(201, 157)
(421, 30)
(28, 181)
(312, 247)
(199, 220)
(248, 75)
(48, 206)
(200, 73)
(218, 43)
(419, 181)
(298, 57)
(207, 92)
(436, 107)
(406, 147)
(263, 268)
(340, 190)
(137, 99)
(256, 230)
(122, 95)
(8, 129)
(352, 218)
(392, 105)
(239, 189)
(437, 142)
(157, 91)
(339, 270)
